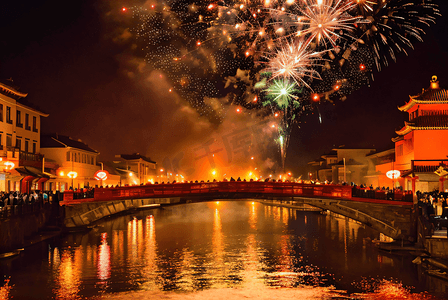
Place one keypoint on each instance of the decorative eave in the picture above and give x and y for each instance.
(10, 90)
(408, 105)
(409, 127)
(398, 138)
(405, 130)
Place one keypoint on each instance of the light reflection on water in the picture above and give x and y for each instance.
(220, 250)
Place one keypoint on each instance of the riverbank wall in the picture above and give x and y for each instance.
(86, 213)
(20, 223)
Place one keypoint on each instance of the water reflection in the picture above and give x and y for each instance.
(104, 259)
(226, 250)
(67, 273)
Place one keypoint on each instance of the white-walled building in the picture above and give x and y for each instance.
(70, 156)
(20, 158)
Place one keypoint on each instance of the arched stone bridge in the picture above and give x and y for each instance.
(393, 218)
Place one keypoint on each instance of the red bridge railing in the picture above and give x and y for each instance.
(256, 188)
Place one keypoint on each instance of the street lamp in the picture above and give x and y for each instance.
(72, 175)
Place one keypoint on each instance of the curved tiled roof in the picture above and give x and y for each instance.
(430, 122)
(432, 95)
(425, 123)
(11, 91)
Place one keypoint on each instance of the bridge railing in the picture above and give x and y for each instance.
(198, 189)
(226, 188)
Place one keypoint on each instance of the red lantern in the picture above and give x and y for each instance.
(101, 175)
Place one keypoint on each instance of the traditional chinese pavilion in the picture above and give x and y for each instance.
(421, 147)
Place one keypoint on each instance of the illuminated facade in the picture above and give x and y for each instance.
(70, 156)
(135, 169)
(421, 147)
(20, 158)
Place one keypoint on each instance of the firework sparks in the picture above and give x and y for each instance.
(296, 61)
(326, 18)
(281, 92)
(219, 55)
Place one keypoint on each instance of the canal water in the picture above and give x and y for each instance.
(217, 250)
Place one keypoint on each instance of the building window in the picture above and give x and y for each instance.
(27, 143)
(400, 150)
(19, 119)
(8, 115)
(1, 112)
(8, 140)
(19, 143)
(68, 156)
(34, 147)
(34, 124)
(27, 122)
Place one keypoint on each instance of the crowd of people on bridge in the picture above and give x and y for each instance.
(433, 204)
(433, 208)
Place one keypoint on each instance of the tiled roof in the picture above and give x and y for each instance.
(433, 95)
(11, 91)
(136, 156)
(62, 141)
(440, 121)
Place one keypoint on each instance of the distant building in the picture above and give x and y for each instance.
(135, 168)
(381, 163)
(343, 165)
(421, 147)
(69, 155)
(322, 167)
(20, 158)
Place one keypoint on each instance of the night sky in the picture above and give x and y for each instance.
(77, 62)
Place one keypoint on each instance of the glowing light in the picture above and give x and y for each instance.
(362, 67)
(213, 172)
(315, 97)
(161, 170)
(198, 43)
(131, 174)
(9, 165)
(238, 110)
(101, 175)
(61, 173)
(393, 174)
(124, 9)
(72, 174)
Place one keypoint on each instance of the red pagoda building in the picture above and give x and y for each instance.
(421, 147)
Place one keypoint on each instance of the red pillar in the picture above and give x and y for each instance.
(414, 179)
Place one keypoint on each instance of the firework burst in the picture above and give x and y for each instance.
(326, 20)
(296, 61)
